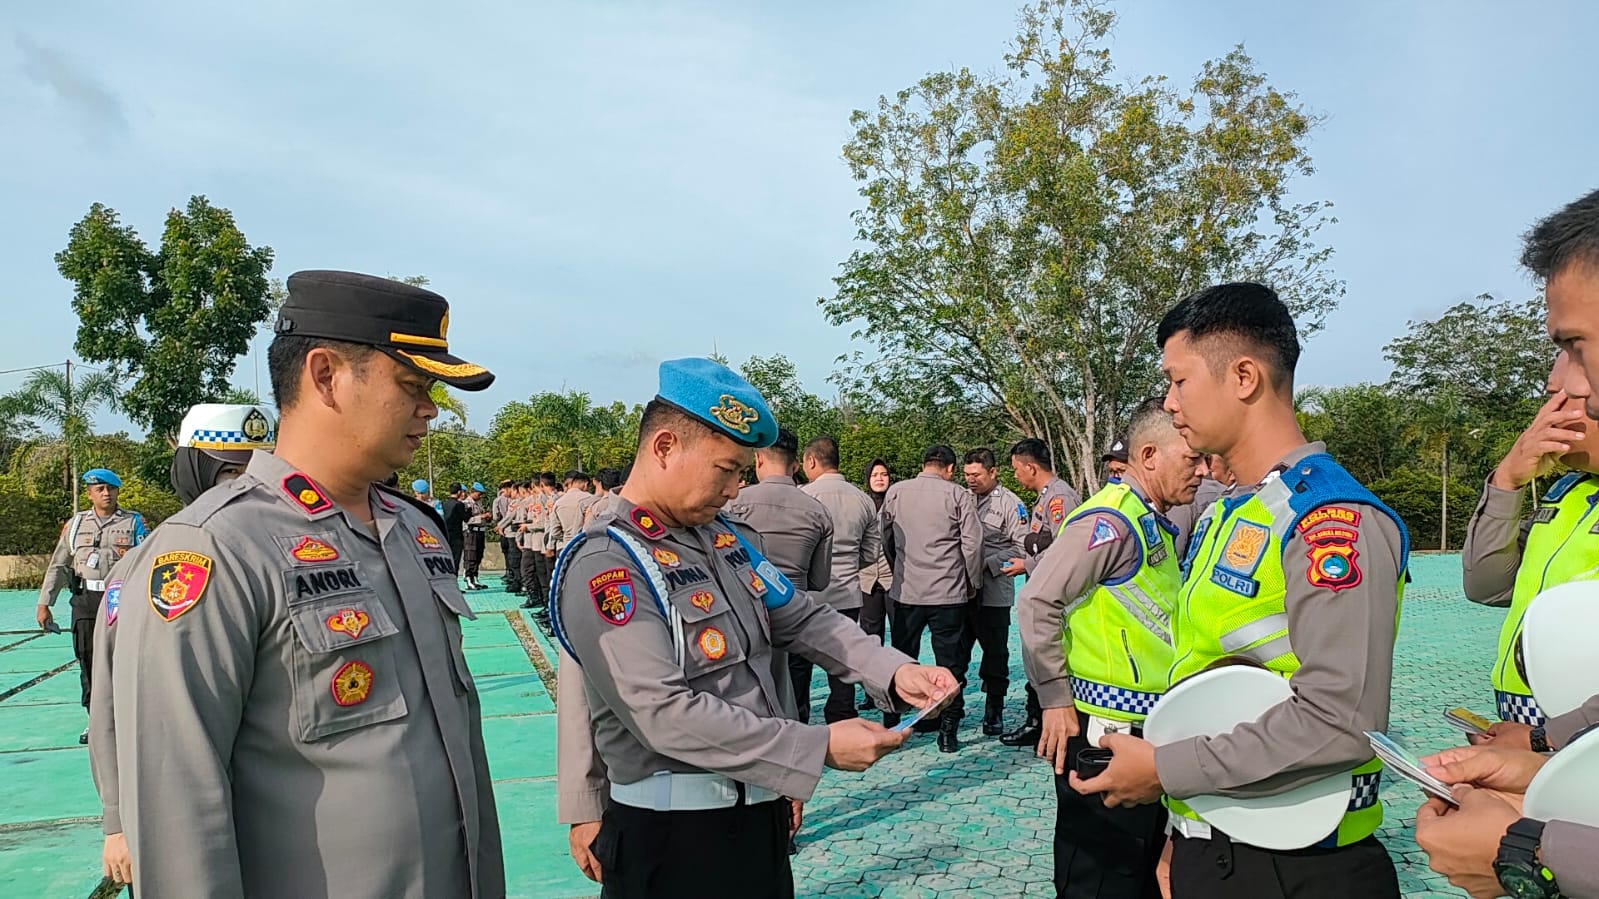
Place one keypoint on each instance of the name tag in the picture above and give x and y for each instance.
(1237, 583)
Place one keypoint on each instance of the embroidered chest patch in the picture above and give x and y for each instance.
(703, 600)
(713, 643)
(352, 684)
(349, 622)
(310, 549)
(1235, 569)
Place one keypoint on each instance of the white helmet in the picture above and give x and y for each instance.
(227, 430)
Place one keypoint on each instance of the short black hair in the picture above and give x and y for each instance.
(507, 483)
(609, 479)
(456, 488)
(575, 474)
(981, 456)
(286, 360)
(785, 449)
(824, 450)
(1035, 451)
(662, 416)
(547, 478)
(524, 485)
(1567, 236)
(1244, 311)
(939, 454)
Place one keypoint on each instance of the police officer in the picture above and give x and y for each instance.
(215, 441)
(1004, 519)
(566, 512)
(1032, 461)
(857, 543)
(933, 539)
(422, 493)
(533, 522)
(300, 659)
(1300, 572)
(505, 526)
(672, 613)
(1507, 562)
(477, 524)
(453, 510)
(1097, 641)
(798, 536)
(1115, 460)
(91, 542)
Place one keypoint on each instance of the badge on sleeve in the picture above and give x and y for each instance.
(1349, 518)
(612, 591)
(713, 643)
(1021, 511)
(1332, 559)
(113, 597)
(352, 684)
(1057, 510)
(1104, 532)
(177, 581)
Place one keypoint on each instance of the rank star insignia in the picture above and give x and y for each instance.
(666, 557)
(310, 549)
(352, 684)
(713, 643)
(177, 582)
(725, 540)
(734, 414)
(646, 522)
(426, 540)
(305, 494)
(350, 622)
(703, 600)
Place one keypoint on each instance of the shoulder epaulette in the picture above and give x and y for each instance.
(1559, 489)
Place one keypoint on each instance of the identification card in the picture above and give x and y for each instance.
(93, 562)
(1398, 759)
(1467, 721)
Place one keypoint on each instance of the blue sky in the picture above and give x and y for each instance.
(598, 186)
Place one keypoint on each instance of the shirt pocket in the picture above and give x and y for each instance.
(713, 641)
(454, 608)
(344, 664)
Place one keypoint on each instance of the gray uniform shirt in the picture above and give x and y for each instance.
(719, 710)
(1055, 503)
(1491, 555)
(1345, 643)
(857, 535)
(1572, 853)
(1067, 572)
(1004, 519)
(934, 540)
(796, 529)
(566, 517)
(90, 550)
(1560, 729)
(299, 702)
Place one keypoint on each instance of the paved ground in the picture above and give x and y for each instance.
(919, 824)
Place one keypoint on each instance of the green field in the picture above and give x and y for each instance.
(920, 823)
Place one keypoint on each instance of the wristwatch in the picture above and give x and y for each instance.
(1539, 739)
(1518, 868)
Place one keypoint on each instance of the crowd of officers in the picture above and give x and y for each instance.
(291, 713)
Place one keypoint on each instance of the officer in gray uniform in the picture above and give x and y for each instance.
(566, 512)
(933, 538)
(1033, 463)
(302, 704)
(672, 612)
(505, 527)
(92, 541)
(1004, 520)
(798, 537)
(857, 544)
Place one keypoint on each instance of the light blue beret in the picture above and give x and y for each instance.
(714, 394)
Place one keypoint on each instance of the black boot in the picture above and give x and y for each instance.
(1025, 735)
(994, 716)
(891, 720)
(947, 741)
(928, 725)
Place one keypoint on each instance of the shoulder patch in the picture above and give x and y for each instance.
(113, 598)
(1021, 511)
(1104, 532)
(178, 580)
(1329, 514)
(1332, 558)
(612, 592)
(1057, 510)
(646, 522)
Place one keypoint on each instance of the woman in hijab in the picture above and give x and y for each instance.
(878, 577)
(214, 446)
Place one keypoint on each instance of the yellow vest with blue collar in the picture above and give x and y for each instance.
(1232, 599)
(1562, 545)
(1117, 638)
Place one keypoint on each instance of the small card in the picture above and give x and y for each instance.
(1407, 764)
(1467, 721)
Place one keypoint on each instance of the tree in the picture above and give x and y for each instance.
(558, 431)
(1369, 426)
(1025, 232)
(62, 410)
(174, 320)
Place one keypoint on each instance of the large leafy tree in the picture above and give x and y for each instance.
(1024, 232)
(175, 319)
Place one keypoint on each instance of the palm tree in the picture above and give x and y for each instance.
(62, 410)
(447, 401)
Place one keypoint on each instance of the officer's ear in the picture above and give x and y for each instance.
(1248, 377)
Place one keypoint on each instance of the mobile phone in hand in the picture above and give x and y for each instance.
(1092, 762)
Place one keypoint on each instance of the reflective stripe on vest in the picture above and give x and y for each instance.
(1231, 605)
(1559, 549)
(1117, 638)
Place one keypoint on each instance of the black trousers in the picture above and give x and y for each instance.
(472, 558)
(1104, 852)
(877, 610)
(740, 851)
(543, 567)
(1035, 711)
(948, 625)
(1218, 868)
(530, 559)
(513, 564)
(457, 547)
(990, 629)
(85, 609)
(840, 695)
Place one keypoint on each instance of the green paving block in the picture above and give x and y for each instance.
(60, 689)
(17, 610)
(50, 860)
(489, 630)
(40, 727)
(513, 694)
(537, 859)
(491, 660)
(520, 747)
(46, 786)
(35, 658)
